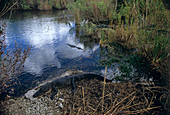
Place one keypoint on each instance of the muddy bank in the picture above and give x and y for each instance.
(119, 98)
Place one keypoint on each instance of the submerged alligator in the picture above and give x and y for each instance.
(66, 81)
(73, 46)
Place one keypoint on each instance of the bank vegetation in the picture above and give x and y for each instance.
(132, 33)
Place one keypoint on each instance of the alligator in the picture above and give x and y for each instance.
(65, 82)
(73, 46)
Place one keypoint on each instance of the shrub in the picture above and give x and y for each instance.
(11, 64)
(143, 28)
(93, 10)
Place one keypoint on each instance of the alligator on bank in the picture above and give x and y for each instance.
(65, 82)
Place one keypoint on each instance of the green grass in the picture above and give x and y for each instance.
(141, 24)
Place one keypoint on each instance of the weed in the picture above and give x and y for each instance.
(11, 64)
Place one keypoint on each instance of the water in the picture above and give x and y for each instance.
(49, 33)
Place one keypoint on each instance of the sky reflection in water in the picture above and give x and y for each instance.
(48, 37)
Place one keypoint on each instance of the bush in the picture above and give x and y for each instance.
(144, 28)
(93, 10)
(11, 64)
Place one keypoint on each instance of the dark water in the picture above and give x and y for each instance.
(49, 33)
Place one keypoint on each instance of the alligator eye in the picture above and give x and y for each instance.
(40, 89)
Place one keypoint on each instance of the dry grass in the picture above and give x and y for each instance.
(97, 97)
(7, 8)
(118, 99)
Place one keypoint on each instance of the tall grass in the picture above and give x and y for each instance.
(142, 25)
(145, 27)
(93, 10)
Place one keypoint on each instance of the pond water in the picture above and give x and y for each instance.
(50, 34)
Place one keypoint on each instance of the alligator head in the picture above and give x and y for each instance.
(43, 89)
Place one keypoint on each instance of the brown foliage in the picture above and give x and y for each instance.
(119, 98)
(11, 63)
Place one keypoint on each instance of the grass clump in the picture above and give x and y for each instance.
(92, 10)
(142, 26)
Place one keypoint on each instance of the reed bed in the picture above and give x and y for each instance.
(118, 98)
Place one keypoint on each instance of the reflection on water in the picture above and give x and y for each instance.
(39, 58)
(48, 33)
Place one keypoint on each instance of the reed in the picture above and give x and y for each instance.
(118, 98)
(142, 25)
(132, 24)
(93, 10)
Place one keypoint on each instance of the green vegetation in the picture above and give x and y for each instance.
(146, 29)
(93, 10)
(60, 4)
(134, 34)
(25, 5)
(36, 4)
(124, 28)
(140, 25)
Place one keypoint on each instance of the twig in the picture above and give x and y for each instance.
(128, 103)
(141, 110)
(120, 102)
(83, 101)
(132, 105)
(111, 107)
(97, 106)
(104, 87)
(91, 108)
(115, 110)
(7, 9)
(125, 98)
(79, 111)
(151, 102)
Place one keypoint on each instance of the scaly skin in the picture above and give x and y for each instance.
(65, 82)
